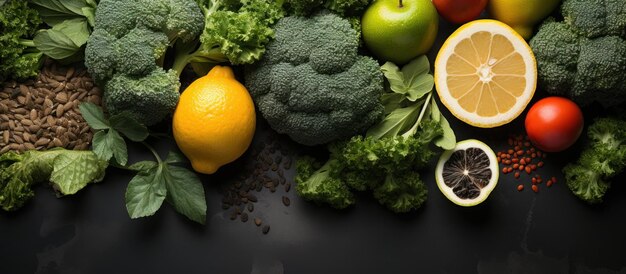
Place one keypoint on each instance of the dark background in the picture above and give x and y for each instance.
(512, 232)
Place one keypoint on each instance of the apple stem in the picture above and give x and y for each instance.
(400, 2)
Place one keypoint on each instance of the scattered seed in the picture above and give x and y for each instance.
(244, 217)
(258, 222)
(286, 201)
(535, 188)
(266, 229)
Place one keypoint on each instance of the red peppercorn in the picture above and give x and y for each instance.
(520, 187)
(535, 188)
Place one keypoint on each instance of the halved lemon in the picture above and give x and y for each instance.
(485, 73)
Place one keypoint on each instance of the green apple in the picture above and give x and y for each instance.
(400, 30)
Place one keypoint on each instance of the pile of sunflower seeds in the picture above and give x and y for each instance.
(264, 169)
(43, 113)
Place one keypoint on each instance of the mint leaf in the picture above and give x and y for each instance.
(145, 192)
(128, 126)
(143, 165)
(176, 158)
(109, 144)
(397, 121)
(94, 116)
(185, 192)
(73, 170)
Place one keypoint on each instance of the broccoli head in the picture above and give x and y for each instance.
(135, 53)
(312, 85)
(147, 99)
(602, 159)
(126, 50)
(178, 19)
(596, 18)
(584, 56)
(19, 58)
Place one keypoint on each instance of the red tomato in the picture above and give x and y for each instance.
(460, 11)
(554, 124)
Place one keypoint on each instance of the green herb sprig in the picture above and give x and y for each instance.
(156, 181)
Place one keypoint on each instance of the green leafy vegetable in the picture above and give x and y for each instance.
(164, 180)
(155, 181)
(387, 159)
(19, 57)
(107, 141)
(71, 22)
(64, 40)
(146, 191)
(69, 171)
(604, 157)
(55, 12)
(234, 31)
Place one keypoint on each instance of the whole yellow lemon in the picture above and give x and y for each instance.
(522, 15)
(214, 121)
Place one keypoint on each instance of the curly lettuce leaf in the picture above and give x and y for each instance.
(69, 171)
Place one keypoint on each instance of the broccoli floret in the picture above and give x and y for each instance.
(126, 51)
(19, 59)
(311, 83)
(603, 158)
(178, 19)
(596, 18)
(147, 98)
(556, 50)
(600, 70)
(135, 53)
(317, 184)
(584, 56)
